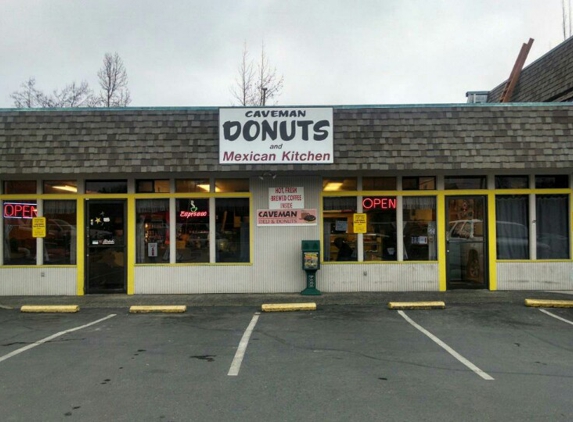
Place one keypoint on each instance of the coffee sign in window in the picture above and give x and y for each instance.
(286, 197)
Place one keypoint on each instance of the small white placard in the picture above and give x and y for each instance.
(286, 198)
(152, 250)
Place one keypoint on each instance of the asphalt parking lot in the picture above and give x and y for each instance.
(486, 360)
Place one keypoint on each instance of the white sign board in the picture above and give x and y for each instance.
(152, 250)
(286, 217)
(287, 197)
(272, 135)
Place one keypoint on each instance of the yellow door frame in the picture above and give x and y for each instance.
(491, 236)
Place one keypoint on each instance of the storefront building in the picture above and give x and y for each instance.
(209, 200)
(409, 198)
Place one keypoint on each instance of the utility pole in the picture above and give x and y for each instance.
(264, 95)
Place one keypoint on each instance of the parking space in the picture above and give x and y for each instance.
(337, 363)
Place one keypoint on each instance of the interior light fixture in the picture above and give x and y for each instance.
(207, 188)
(332, 186)
(66, 188)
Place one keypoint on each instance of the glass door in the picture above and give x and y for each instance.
(105, 246)
(466, 242)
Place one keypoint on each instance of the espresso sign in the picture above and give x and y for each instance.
(271, 135)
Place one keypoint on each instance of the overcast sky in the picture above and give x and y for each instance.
(330, 52)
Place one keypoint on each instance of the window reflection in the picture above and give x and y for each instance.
(380, 240)
(61, 234)
(192, 241)
(152, 231)
(552, 226)
(19, 244)
(106, 186)
(232, 230)
(419, 215)
(339, 239)
(512, 229)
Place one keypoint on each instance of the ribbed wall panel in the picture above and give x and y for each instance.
(194, 279)
(244, 279)
(535, 276)
(278, 257)
(38, 281)
(378, 277)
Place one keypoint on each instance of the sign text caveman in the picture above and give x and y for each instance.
(275, 135)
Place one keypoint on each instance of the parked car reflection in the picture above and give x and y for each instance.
(466, 246)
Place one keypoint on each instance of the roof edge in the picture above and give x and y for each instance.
(337, 107)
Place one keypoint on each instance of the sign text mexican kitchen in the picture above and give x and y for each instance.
(273, 135)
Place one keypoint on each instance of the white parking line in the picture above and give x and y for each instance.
(555, 316)
(448, 349)
(53, 336)
(238, 359)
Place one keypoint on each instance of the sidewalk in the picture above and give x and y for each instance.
(256, 300)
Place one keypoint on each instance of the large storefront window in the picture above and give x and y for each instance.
(61, 234)
(339, 240)
(152, 230)
(232, 230)
(19, 244)
(512, 229)
(380, 239)
(192, 230)
(419, 217)
(552, 226)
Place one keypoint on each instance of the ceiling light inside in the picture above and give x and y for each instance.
(66, 188)
(332, 186)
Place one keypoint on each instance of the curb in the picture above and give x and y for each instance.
(287, 307)
(157, 309)
(50, 309)
(416, 305)
(540, 303)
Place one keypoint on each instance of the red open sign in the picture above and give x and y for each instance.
(379, 203)
(19, 210)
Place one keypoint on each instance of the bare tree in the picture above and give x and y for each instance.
(27, 97)
(269, 83)
(113, 82)
(257, 83)
(112, 79)
(243, 90)
(72, 95)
